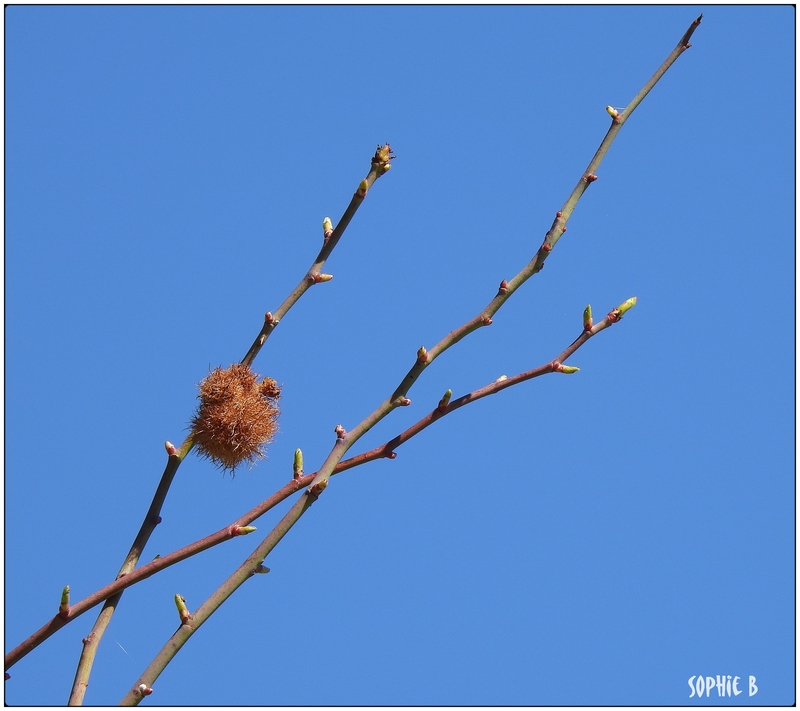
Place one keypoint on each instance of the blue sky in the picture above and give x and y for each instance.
(593, 539)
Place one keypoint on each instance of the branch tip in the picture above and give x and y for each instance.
(382, 158)
(626, 305)
(171, 450)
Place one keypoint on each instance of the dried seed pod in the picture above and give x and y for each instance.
(237, 416)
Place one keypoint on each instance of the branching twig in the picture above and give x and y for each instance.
(238, 527)
(246, 570)
(380, 165)
(506, 288)
(333, 464)
(398, 398)
(190, 623)
(92, 641)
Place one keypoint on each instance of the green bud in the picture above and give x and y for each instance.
(568, 369)
(298, 463)
(63, 608)
(183, 611)
(587, 317)
(626, 305)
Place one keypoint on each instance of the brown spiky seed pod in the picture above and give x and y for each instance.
(237, 416)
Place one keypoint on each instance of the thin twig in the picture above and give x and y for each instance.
(381, 163)
(92, 641)
(250, 567)
(386, 450)
(398, 398)
(552, 236)
(247, 569)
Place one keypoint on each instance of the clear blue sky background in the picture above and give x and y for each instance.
(592, 539)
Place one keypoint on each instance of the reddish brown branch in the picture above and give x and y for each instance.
(225, 534)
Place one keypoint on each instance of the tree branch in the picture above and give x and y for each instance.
(484, 318)
(381, 163)
(190, 624)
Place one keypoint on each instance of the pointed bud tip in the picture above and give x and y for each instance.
(626, 305)
(243, 530)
